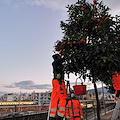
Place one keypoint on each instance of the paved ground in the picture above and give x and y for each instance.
(107, 116)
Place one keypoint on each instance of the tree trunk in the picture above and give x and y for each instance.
(98, 103)
(103, 98)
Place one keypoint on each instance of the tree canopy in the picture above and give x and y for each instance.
(91, 41)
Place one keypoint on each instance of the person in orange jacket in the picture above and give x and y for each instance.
(77, 109)
(116, 84)
(59, 95)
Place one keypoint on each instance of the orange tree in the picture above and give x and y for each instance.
(90, 44)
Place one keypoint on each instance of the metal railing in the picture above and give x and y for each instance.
(90, 108)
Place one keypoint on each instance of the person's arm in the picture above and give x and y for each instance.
(57, 65)
(56, 70)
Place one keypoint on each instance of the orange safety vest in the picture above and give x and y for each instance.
(116, 82)
(58, 96)
(77, 109)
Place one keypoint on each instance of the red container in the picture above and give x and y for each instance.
(79, 89)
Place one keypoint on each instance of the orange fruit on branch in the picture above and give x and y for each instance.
(74, 42)
(107, 18)
(82, 8)
(82, 41)
(68, 42)
(98, 20)
(60, 51)
(92, 18)
(96, 27)
(75, 47)
(95, 10)
(56, 48)
(62, 44)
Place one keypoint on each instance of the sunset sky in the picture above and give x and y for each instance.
(28, 31)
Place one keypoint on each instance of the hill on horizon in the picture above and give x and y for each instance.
(99, 90)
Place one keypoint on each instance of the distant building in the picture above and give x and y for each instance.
(10, 97)
(42, 98)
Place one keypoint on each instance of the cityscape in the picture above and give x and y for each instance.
(13, 104)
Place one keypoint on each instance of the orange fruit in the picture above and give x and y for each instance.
(74, 42)
(92, 18)
(107, 18)
(68, 42)
(87, 5)
(82, 41)
(98, 20)
(60, 51)
(75, 47)
(82, 8)
(95, 10)
(62, 44)
(96, 27)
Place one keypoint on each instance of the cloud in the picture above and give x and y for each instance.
(60, 4)
(53, 4)
(28, 85)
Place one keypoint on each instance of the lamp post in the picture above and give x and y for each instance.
(19, 101)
